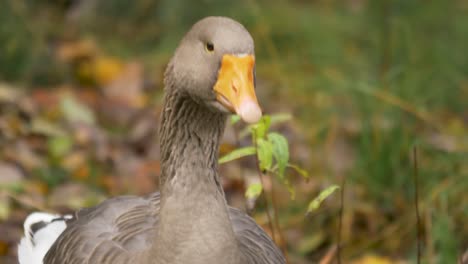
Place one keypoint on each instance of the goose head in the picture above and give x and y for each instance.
(214, 64)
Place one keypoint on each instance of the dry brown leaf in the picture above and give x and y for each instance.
(72, 50)
(122, 83)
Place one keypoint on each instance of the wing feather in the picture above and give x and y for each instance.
(120, 230)
(255, 244)
(116, 231)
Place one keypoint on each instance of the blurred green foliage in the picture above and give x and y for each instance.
(382, 76)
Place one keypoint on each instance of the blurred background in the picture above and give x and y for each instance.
(364, 82)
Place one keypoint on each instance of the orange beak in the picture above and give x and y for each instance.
(235, 87)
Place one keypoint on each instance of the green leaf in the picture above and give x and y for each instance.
(259, 129)
(280, 151)
(5, 209)
(75, 111)
(315, 204)
(280, 118)
(291, 189)
(17, 187)
(264, 154)
(253, 191)
(234, 119)
(44, 127)
(52, 175)
(237, 154)
(273, 119)
(299, 170)
(59, 146)
(311, 242)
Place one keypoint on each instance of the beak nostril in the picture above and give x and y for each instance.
(234, 88)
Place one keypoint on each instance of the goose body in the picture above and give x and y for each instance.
(188, 221)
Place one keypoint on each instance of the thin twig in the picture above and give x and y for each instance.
(328, 257)
(25, 202)
(416, 203)
(406, 106)
(275, 209)
(265, 200)
(385, 40)
(340, 221)
(284, 245)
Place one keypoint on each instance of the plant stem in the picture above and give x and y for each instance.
(416, 203)
(284, 245)
(259, 173)
(340, 220)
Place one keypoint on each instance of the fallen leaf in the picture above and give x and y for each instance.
(76, 112)
(375, 259)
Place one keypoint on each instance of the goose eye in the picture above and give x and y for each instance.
(209, 47)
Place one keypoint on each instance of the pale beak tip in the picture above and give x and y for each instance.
(249, 111)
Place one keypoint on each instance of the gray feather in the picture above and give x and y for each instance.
(121, 230)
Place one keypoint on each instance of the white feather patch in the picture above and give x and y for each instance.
(241, 55)
(34, 246)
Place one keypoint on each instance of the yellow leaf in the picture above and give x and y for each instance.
(373, 259)
(106, 69)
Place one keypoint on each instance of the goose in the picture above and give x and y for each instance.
(211, 75)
